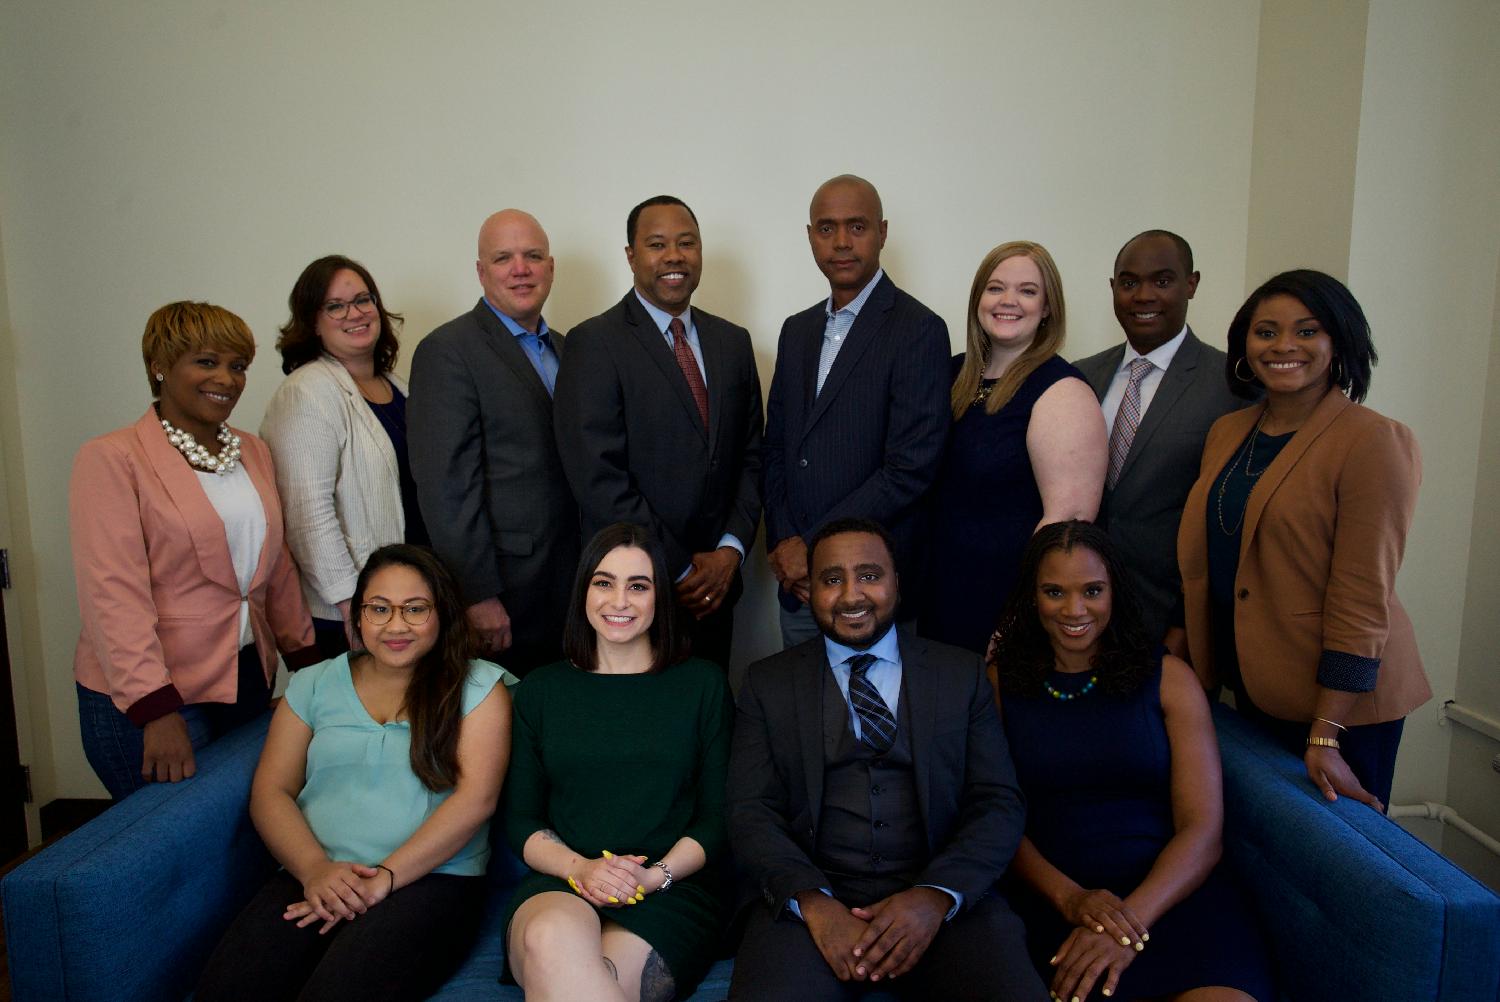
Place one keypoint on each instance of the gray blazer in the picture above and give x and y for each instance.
(1143, 510)
(491, 485)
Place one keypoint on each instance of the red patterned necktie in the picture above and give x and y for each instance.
(689, 366)
(1127, 420)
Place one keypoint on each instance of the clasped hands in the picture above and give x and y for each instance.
(788, 560)
(339, 891)
(1106, 940)
(884, 940)
(614, 881)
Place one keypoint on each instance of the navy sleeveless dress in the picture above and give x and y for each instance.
(1096, 772)
(984, 507)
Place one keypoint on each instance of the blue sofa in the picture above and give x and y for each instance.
(129, 906)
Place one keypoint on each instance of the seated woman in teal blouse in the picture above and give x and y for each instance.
(616, 793)
(374, 791)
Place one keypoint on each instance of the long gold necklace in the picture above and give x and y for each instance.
(1247, 454)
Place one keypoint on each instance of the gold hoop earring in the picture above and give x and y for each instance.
(1244, 379)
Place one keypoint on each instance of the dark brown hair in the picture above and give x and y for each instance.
(1022, 653)
(434, 696)
(581, 643)
(1335, 307)
(299, 342)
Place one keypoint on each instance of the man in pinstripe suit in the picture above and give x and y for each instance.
(858, 410)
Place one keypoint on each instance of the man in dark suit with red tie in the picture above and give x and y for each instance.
(858, 412)
(658, 420)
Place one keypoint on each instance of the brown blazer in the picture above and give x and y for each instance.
(156, 584)
(1322, 541)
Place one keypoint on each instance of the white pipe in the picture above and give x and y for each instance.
(1448, 816)
(1472, 719)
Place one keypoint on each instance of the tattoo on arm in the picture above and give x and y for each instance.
(550, 835)
(656, 980)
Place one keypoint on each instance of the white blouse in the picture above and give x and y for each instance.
(235, 498)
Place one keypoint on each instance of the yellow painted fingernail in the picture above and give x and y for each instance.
(572, 883)
(613, 900)
(1145, 937)
(1124, 940)
(608, 854)
(1106, 992)
(630, 901)
(640, 888)
(1139, 947)
(640, 897)
(1098, 928)
(1053, 961)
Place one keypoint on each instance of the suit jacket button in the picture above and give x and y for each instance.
(1244, 594)
(809, 833)
(802, 463)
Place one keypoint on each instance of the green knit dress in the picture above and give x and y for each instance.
(629, 763)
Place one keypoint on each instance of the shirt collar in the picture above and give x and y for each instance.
(514, 327)
(1161, 356)
(857, 303)
(661, 317)
(886, 649)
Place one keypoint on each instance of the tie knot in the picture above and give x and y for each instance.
(1139, 367)
(860, 663)
(676, 328)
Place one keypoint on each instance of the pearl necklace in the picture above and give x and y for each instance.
(1056, 693)
(225, 462)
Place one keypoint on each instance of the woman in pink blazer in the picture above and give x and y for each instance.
(185, 584)
(1291, 539)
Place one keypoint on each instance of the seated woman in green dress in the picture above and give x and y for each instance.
(374, 791)
(615, 797)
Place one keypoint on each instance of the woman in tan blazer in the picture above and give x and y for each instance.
(1292, 537)
(184, 583)
(337, 429)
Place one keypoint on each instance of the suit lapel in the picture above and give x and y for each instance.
(265, 485)
(1329, 408)
(714, 363)
(919, 693)
(503, 343)
(861, 335)
(1102, 375)
(807, 688)
(198, 512)
(1174, 383)
(654, 343)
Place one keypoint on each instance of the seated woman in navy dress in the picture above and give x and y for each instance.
(1115, 751)
(374, 791)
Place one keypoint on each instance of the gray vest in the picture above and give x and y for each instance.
(870, 840)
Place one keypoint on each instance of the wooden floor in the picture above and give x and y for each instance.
(58, 818)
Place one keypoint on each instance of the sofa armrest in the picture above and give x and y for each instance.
(1354, 906)
(130, 905)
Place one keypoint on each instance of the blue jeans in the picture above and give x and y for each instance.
(115, 747)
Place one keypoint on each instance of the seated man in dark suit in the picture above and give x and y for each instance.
(659, 421)
(858, 411)
(1161, 390)
(872, 804)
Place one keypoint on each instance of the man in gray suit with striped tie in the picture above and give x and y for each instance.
(1161, 390)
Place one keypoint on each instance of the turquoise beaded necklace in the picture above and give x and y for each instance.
(1056, 693)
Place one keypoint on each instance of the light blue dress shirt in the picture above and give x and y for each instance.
(885, 676)
(543, 359)
(663, 319)
(836, 326)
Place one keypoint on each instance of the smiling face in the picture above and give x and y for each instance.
(667, 257)
(1151, 287)
(1013, 304)
(200, 389)
(1073, 600)
(400, 590)
(854, 588)
(353, 337)
(846, 234)
(621, 599)
(515, 266)
(1288, 349)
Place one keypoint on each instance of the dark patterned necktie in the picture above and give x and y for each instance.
(877, 725)
(689, 366)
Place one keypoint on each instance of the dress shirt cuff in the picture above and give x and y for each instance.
(958, 899)
(1347, 672)
(796, 909)
(732, 541)
(155, 704)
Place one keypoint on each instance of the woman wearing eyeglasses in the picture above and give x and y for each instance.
(337, 430)
(374, 791)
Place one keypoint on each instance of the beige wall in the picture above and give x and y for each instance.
(169, 150)
(153, 152)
